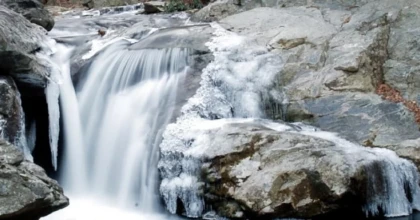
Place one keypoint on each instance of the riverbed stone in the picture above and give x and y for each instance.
(20, 47)
(26, 191)
(32, 10)
(252, 170)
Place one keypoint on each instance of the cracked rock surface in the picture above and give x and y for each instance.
(26, 192)
(336, 54)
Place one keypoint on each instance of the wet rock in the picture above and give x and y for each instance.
(281, 28)
(402, 70)
(26, 192)
(332, 70)
(153, 7)
(11, 113)
(268, 170)
(363, 118)
(215, 11)
(19, 47)
(88, 4)
(223, 8)
(32, 10)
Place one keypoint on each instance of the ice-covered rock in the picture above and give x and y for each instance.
(247, 167)
(12, 116)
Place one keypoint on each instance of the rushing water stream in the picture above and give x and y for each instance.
(113, 123)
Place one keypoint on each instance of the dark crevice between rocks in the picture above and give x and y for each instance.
(36, 109)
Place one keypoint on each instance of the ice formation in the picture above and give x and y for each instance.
(21, 136)
(235, 84)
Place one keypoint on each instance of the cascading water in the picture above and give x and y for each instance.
(125, 102)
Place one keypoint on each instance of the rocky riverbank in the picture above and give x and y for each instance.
(304, 68)
(26, 191)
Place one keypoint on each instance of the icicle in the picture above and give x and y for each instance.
(31, 136)
(52, 93)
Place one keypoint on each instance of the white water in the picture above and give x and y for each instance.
(112, 145)
(74, 164)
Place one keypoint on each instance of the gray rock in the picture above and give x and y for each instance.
(252, 170)
(19, 45)
(359, 117)
(153, 7)
(281, 28)
(216, 11)
(32, 10)
(402, 70)
(223, 8)
(26, 192)
(11, 112)
(88, 4)
(336, 53)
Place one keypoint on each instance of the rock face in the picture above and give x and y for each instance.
(26, 192)
(153, 7)
(336, 55)
(32, 10)
(260, 169)
(215, 11)
(21, 48)
(11, 113)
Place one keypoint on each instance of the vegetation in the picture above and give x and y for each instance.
(183, 5)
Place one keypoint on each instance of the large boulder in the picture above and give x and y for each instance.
(336, 58)
(32, 10)
(154, 7)
(223, 8)
(26, 191)
(21, 48)
(215, 11)
(259, 169)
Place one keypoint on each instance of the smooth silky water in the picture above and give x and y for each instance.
(112, 125)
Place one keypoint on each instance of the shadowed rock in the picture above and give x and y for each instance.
(26, 192)
(19, 45)
(32, 10)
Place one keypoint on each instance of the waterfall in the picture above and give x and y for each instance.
(113, 125)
